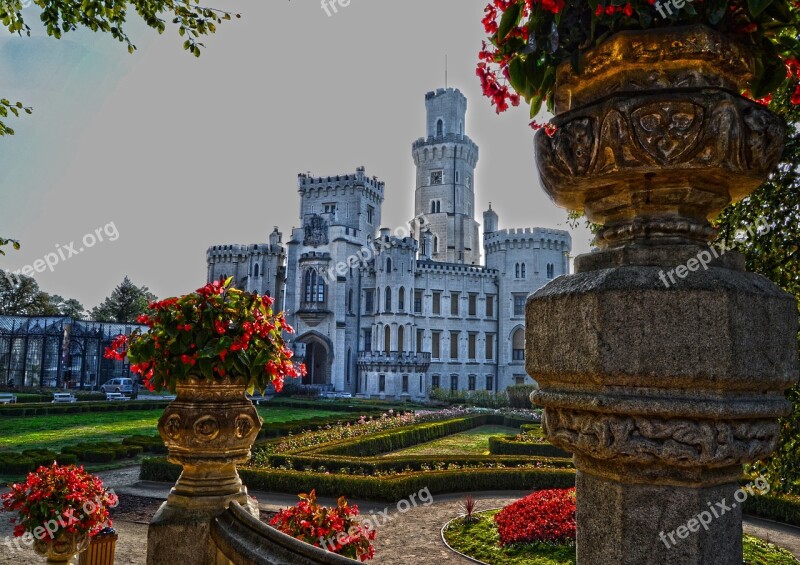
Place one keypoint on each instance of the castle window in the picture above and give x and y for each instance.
(439, 128)
(401, 299)
(387, 300)
(550, 271)
(350, 301)
(369, 301)
(453, 382)
(472, 380)
(388, 264)
(436, 340)
(434, 382)
(314, 287)
(401, 338)
(437, 177)
(256, 271)
(370, 214)
(457, 177)
(382, 383)
(435, 244)
(516, 271)
(329, 208)
(490, 306)
(405, 384)
(489, 382)
(524, 274)
(417, 301)
(519, 304)
(454, 298)
(518, 345)
(437, 303)
(472, 346)
(349, 364)
(387, 339)
(454, 345)
(436, 206)
(473, 305)
(489, 347)
(420, 336)
(368, 340)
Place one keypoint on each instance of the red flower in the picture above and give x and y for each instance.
(544, 516)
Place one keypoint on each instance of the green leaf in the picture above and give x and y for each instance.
(509, 20)
(757, 6)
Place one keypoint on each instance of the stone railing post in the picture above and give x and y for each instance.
(662, 362)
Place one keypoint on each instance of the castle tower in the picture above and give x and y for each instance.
(445, 191)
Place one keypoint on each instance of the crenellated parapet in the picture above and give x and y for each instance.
(339, 185)
(536, 238)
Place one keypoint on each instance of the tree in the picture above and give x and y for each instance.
(68, 307)
(21, 296)
(58, 17)
(773, 252)
(126, 303)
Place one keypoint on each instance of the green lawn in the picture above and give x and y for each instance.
(480, 541)
(472, 442)
(54, 432)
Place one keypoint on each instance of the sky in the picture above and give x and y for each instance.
(136, 164)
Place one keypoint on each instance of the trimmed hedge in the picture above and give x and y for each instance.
(392, 440)
(45, 409)
(781, 508)
(341, 405)
(508, 445)
(426, 463)
(298, 426)
(389, 489)
(31, 459)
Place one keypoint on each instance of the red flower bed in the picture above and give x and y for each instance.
(544, 516)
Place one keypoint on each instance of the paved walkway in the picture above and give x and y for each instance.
(406, 533)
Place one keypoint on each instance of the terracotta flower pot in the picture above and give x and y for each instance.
(63, 548)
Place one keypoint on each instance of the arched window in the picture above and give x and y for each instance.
(401, 299)
(387, 339)
(522, 270)
(439, 128)
(388, 264)
(550, 271)
(387, 300)
(433, 206)
(435, 244)
(518, 345)
(314, 290)
(349, 363)
(256, 271)
(516, 271)
(401, 338)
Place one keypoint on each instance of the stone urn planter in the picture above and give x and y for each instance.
(208, 429)
(62, 549)
(662, 362)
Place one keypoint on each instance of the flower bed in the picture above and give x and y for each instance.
(544, 516)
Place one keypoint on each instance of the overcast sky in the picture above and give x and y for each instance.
(181, 153)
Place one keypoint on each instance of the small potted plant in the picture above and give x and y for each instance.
(210, 347)
(58, 508)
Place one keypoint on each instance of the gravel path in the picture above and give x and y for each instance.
(406, 533)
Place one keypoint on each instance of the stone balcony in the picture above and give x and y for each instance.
(383, 360)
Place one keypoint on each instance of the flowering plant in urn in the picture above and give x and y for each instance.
(529, 39)
(213, 334)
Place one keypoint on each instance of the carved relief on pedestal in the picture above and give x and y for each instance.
(679, 442)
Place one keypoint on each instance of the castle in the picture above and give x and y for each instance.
(394, 314)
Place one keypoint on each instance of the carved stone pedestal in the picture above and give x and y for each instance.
(208, 429)
(662, 386)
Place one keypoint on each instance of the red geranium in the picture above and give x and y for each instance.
(544, 516)
(211, 333)
(335, 529)
(59, 499)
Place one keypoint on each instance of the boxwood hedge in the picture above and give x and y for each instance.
(508, 445)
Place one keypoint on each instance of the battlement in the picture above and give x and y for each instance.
(229, 252)
(315, 256)
(492, 241)
(306, 182)
(432, 95)
(440, 267)
(385, 242)
(446, 138)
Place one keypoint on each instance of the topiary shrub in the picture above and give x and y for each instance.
(16, 464)
(519, 396)
(99, 455)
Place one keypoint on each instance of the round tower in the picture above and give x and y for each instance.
(445, 193)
